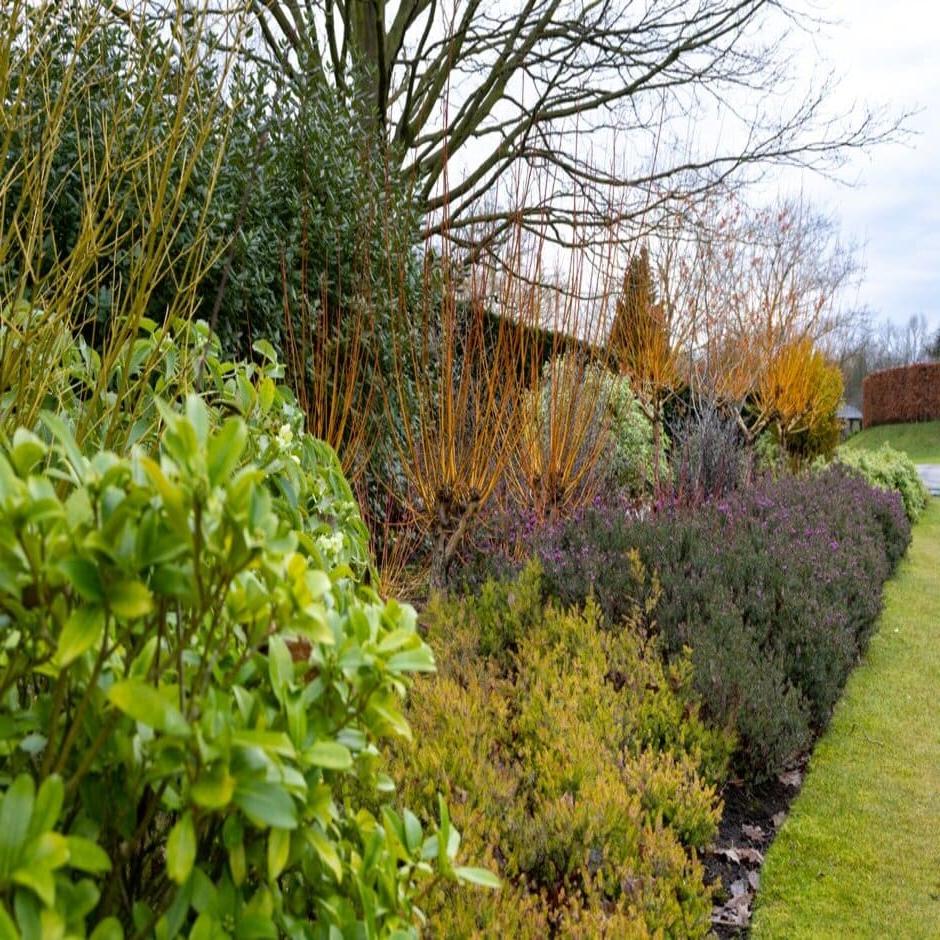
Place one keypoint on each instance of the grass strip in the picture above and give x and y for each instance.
(859, 855)
(921, 442)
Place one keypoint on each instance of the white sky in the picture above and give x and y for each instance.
(887, 54)
(883, 53)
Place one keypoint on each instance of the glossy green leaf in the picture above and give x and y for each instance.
(278, 852)
(142, 702)
(198, 416)
(15, 813)
(8, 929)
(48, 805)
(266, 394)
(81, 632)
(326, 850)
(266, 804)
(329, 754)
(50, 850)
(413, 831)
(27, 451)
(416, 660)
(63, 435)
(39, 880)
(86, 855)
(280, 666)
(213, 788)
(275, 742)
(226, 449)
(83, 577)
(108, 929)
(181, 849)
(477, 876)
(130, 599)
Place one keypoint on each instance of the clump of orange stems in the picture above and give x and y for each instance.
(564, 429)
(332, 366)
(454, 396)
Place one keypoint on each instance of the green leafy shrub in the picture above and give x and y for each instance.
(114, 403)
(574, 761)
(890, 469)
(630, 463)
(193, 689)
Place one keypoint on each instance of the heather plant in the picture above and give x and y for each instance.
(890, 469)
(775, 588)
(574, 760)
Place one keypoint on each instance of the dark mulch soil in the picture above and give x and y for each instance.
(749, 823)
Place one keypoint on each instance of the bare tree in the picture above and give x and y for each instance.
(600, 95)
(752, 283)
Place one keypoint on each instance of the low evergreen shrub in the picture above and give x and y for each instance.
(574, 761)
(775, 588)
(890, 469)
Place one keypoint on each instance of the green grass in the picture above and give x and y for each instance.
(921, 442)
(859, 855)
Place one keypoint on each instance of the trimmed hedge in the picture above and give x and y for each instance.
(908, 393)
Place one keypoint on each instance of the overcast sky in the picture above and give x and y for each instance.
(887, 54)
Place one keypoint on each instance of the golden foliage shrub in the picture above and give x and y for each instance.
(799, 394)
(575, 764)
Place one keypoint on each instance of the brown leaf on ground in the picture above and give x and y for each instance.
(778, 819)
(739, 854)
(736, 912)
(751, 856)
(754, 833)
(791, 778)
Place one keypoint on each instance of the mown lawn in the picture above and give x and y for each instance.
(859, 855)
(921, 442)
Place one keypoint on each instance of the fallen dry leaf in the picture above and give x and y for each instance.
(754, 833)
(791, 778)
(736, 912)
(738, 854)
(753, 879)
(778, 819)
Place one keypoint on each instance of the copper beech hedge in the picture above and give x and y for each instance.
(908, 393)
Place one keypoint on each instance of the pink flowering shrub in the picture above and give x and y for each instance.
(775, 588)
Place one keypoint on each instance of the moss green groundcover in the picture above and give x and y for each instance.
(859, 855)
(921, 442)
